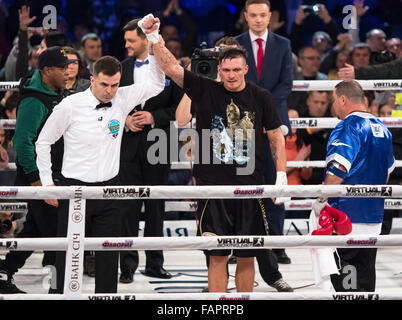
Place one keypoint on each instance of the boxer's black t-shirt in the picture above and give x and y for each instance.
(226, 152)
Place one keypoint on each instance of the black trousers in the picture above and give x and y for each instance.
(363, 261)
(268, 266)
(140, 172)
(103, 217)
(41, 222)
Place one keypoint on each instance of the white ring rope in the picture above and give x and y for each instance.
(297, 123)
(75, 242)
(328, 85)
(176, 165)
(203, 192)
(298, 85)
(206, 243)
(289, 164)
(191, 206)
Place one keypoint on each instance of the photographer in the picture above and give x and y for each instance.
(303, 15)
(11, 224)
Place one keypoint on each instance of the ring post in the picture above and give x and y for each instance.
(75, 249)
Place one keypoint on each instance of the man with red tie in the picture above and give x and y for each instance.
(270, 67)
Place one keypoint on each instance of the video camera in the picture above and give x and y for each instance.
(204, 61)
(381, 57)
(310, 9)
(5, 226)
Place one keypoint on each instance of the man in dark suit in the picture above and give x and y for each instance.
(135, 168)
(270, 67)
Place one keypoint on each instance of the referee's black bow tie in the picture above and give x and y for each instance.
(104, 105)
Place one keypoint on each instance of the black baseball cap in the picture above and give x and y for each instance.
(53, 57)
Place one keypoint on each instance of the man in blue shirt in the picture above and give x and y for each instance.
(359, 152)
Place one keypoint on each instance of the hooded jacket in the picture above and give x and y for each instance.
(37, 100)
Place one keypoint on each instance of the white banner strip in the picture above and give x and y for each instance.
(330, 123)
(329, 85)
(300, 295)
(200, 243)
(203, 192)
(75, 249)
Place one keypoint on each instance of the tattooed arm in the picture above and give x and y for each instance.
(278, 151)
(167, 62)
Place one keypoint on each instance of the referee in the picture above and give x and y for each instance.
(91, 123)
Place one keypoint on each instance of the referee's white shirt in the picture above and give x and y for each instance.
(92, 137)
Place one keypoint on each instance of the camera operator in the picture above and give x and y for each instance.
(10, 224)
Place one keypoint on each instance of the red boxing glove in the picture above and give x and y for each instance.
(326, 223)
(342, 224)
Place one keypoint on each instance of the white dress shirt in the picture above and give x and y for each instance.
(92, 137)
(140, 74)
(254, 43)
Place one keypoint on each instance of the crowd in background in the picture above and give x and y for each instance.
(320, 46)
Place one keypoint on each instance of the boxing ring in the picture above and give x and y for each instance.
(75, 243)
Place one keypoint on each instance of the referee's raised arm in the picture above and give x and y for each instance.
(167, 62)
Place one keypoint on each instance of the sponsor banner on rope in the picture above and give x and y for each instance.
(387, 84)
(118, 244)
(9, 86)
(7, 124)
(242, 297)
(391, 203)
(362, 242)
(112, 297)
(12, 192)
(392, 122)
(352, 296)
(256, 242)
(303, 123)
(369, 191)
(13, 207)
(126, 192)
(9, 245)
(304, 85)
(297, 205)
(258, 191)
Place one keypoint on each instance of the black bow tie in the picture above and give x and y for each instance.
(104, 105)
